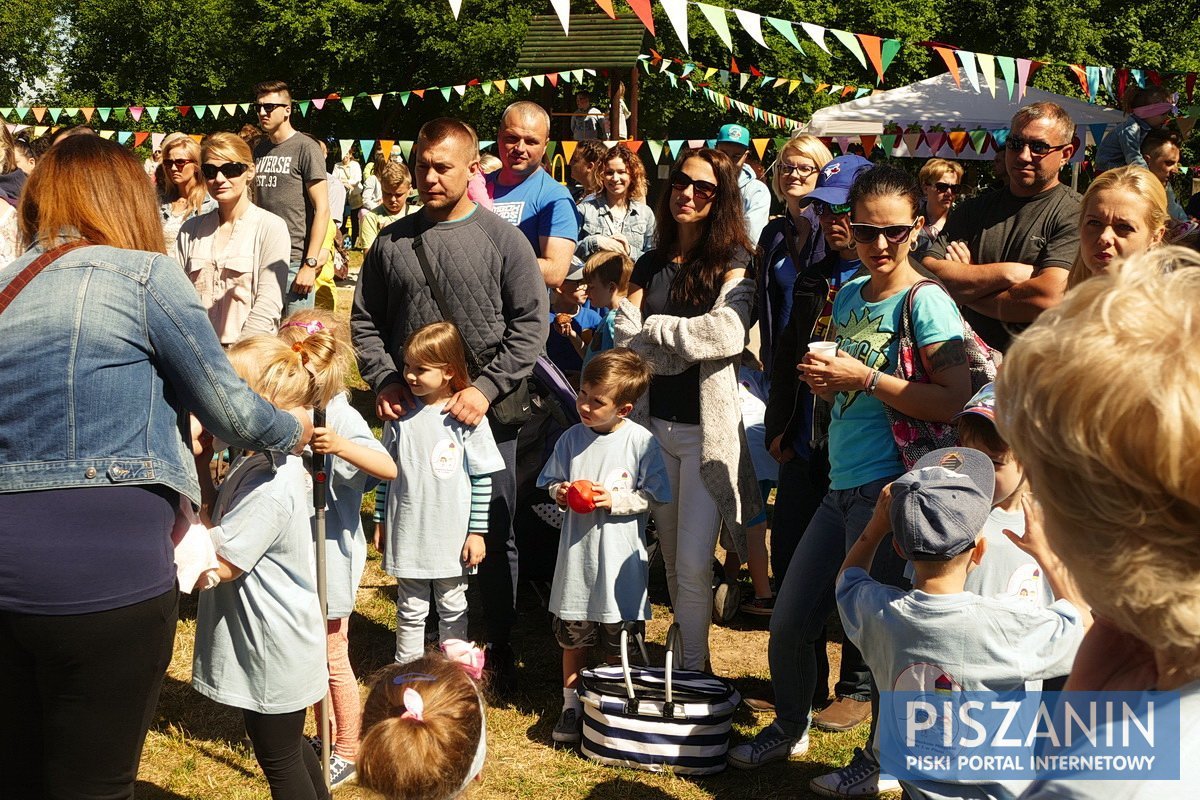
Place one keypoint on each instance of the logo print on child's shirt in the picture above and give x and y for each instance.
(446, 458)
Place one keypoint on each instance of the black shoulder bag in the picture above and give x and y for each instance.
(512, 409)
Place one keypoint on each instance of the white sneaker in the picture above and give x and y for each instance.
(860, 778)
(771, 744)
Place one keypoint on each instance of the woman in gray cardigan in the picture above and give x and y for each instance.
(688, 311)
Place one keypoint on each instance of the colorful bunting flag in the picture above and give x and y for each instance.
(677, 16)
(816, 33)
(716, 18)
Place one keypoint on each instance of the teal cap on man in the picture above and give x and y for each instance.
(735, 134)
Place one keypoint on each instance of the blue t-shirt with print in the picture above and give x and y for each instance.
(559, 348)
(539, 206)
(861, 447)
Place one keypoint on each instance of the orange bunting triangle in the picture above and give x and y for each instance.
(642, 9)
(868, 142)
(951, 63)
(607, 7)
(871, 45)
(958, 140)
(634, 145)
(1081, 74)
(568, 149)
(501, 86)
(139, 137)
(419, 93)
(385, 146)
(87, 113)
(553, 78)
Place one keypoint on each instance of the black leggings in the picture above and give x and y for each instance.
(78, 693)
(292, 768)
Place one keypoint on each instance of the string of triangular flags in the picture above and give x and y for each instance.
(38, 113)
(760, 80)
(877, 53)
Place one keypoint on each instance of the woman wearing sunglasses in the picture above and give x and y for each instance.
(940, 179)
(693, 293)
(237, 255)
(182, 190)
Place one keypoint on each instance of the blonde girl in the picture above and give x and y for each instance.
(1124, 212)
(258, 633)
(357, 462)
(438, 505)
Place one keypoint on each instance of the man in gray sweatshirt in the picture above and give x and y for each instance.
(494, 292)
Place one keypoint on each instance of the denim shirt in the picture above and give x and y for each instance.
(106, 351)
(637, 226)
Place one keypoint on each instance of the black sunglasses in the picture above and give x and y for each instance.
(823, 209)
(269, 108)
(230, 169)
(943, 187)
(1036, 148)
(702, 189)
(896, 234)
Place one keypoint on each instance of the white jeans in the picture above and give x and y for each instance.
(412, 607)
(687, 534)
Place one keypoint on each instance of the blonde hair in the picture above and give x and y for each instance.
(1098, 399)
(1135, 180)
(801, 144)
(621, 372)
(489, 163)
(326, 345)
(427, 759)
(440, 344)
(934, 168)
(394, 174)
(94, 188)
(170, 191)
(274, 370)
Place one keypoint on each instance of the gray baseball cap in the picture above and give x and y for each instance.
(939, 507)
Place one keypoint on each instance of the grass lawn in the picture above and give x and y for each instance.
(195, 747)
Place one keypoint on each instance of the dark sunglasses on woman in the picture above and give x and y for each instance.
(230, 169)
(942, 187)
(896, 234)
(702, 189)
(177, 163)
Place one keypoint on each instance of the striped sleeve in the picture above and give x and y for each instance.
(481, 497)
(381, 492)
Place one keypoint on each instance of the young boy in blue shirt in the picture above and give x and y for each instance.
(939, 636)
(602, 571)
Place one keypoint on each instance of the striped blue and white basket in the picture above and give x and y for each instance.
(657, 718)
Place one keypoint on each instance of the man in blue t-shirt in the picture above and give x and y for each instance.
(527, 196)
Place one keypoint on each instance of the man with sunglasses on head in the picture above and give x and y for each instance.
(290, 182)
(1004, 255)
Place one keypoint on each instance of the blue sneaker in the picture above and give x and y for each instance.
(340, 771)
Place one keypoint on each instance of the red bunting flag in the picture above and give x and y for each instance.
(183, 110)
(868, 143)
(553, 78)
(1081, 74)
(733, 67)
(642, 9)
(139, 137)
(1190, 86)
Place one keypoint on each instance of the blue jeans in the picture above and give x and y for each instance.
(293, 302)
(806, 598)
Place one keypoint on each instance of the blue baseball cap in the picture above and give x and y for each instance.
(735, 134)
(939, 507)
(836, 178)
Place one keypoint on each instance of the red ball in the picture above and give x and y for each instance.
(579, 497)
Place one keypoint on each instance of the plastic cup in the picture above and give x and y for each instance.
(826, 349)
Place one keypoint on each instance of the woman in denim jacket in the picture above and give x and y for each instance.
(107, 350)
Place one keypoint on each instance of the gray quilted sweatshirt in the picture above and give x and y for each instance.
(492, 283)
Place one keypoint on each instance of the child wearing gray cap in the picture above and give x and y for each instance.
(940, 637)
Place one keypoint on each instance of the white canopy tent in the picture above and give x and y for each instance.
(938, 101)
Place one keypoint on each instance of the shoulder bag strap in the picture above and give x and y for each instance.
(440, 298)
(906, 324)
(30, 272)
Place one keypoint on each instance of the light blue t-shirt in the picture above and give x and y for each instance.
(539, 206)
(429, 502)
(260, 639)
(753, 390)
(602, 570)
(604, 337)
(345, 540)
(861, 447)
(920, 642)
(1007, 572)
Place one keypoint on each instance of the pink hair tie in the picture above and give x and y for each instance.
(466, 655)
(414, 706)
(309, 327)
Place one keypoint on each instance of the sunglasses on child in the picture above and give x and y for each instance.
(230, 169)
(823, 209)
(702, 189)
(268, 108)
(1036, 148)
(895, 234)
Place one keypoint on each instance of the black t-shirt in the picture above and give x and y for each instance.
(1042, 231)
(672, 397)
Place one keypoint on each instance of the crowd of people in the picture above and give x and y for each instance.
(972, 415)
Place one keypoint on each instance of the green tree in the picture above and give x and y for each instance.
(29, 31)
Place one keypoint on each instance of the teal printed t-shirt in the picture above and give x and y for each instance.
(861, 447)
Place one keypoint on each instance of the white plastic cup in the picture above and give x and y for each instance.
(826, 349)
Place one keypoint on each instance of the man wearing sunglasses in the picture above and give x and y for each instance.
(734, 141)
(1004, 255)
(290, 182)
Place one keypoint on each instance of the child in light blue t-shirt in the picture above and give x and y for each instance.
(940, 637)
(437, 507)
(607, 277)
(357, 461)
(606, 471)
(259, 634)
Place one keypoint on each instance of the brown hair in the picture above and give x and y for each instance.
(724, 243)
(8, 150)
(93, 187)
(438, 130)
(1138, 96)
(170, 191)
(609, 267)
(1157, 139)
(590, 151)
(621, 372)
(637, 170)
(426, 759)
(440, 344)
(271, 87)
(1046, 110)
(394, 174)
(325, 346)
(979, 432)
(273, 369)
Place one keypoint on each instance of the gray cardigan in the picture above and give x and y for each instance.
(715, 340)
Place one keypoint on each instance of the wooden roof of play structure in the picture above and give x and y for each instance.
(595, 41)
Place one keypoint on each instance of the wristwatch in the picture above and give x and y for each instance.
(310, 262)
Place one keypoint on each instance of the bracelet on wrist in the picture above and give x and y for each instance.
(873, 382)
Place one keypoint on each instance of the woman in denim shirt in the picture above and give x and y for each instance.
(617, 217)
(108, 350)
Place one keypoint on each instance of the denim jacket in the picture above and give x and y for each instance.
(104, 353)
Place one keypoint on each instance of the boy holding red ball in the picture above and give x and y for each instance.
(605, 472)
